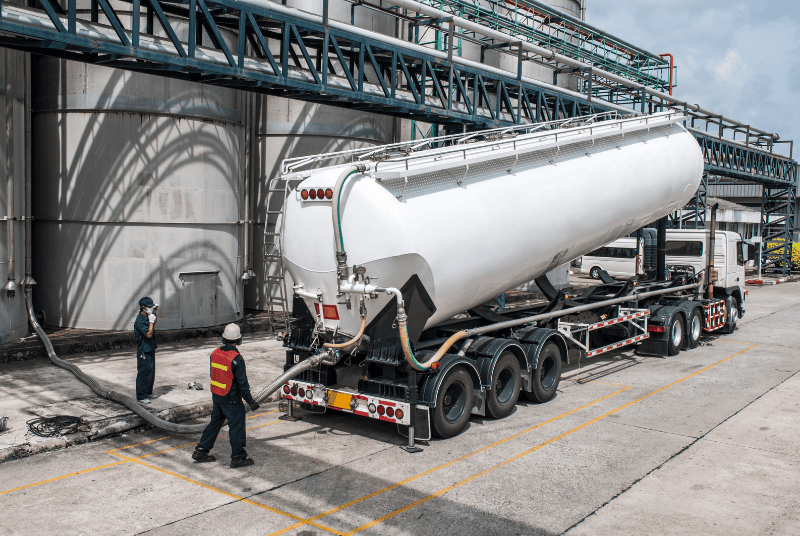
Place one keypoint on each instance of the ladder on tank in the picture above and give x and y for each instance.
(274, 270)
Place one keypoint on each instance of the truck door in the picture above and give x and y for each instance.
(720, 259)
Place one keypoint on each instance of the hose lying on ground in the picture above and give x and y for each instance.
(134, 405)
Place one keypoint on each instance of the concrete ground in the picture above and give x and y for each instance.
(705, 442)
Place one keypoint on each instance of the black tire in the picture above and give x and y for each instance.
(453, 403)
(733, 316)
(694, 329)
(594, 273)
(504, 392)
(547, 375)
(675, 334)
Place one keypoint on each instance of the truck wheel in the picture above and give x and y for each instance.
(453, 403)
(695, 329)
(504, 392)
(595, 273)
(675, 335)
(730, 326)
(547, 375)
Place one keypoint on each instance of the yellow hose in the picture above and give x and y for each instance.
(352, 341)
(406, 344)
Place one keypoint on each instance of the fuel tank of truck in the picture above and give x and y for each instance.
(475, 219)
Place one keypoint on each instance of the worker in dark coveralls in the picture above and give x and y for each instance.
(144, 330)
(228, 387)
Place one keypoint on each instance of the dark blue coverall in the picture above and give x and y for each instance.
(230, 407)
(145, 357)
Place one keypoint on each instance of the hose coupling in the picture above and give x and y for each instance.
(341, 265)
(362, 308)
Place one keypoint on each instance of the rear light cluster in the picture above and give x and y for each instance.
(294, 390)
(318, 193)
(656, 329)
(388, 411)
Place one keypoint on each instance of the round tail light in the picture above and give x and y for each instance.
(309, 394)
(372, 408)
(329, 193)
(294, 390)
(312, 194)
(286, 389)
(302, 392)
(390, 412)
(321, 193)
(381, 410)
(399, 414)
(304, 194)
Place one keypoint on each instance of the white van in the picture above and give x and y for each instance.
(617, 258)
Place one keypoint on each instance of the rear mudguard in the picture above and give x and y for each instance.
(429, 390)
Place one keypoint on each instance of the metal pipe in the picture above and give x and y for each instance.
(671, 66)
(11, 286)
(711, 249)
(247, 171)
(28, 177)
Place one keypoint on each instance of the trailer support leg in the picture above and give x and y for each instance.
(289, 416)
(412, 399)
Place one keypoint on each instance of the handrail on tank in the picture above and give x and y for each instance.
(668, 116)
(290, 165)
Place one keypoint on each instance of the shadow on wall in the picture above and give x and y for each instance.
(174, 182)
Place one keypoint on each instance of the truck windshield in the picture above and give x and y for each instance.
(684, 248)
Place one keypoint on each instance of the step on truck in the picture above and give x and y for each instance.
(391, 253)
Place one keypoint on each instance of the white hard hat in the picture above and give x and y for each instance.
(232, 333)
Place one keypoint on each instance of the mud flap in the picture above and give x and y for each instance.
(422, 430)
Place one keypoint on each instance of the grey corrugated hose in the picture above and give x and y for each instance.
(135, 406)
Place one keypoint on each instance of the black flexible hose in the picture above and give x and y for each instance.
(134, 405)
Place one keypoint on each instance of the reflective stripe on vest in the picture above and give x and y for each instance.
(222, 371)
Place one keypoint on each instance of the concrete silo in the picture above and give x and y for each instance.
(138, 191)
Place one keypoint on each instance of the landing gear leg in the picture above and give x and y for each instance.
(289, 416)
(412, 408)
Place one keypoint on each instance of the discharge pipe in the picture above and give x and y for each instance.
(430, 363)
(135, 406)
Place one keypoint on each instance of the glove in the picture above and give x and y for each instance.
(254, 406)
(152, 318)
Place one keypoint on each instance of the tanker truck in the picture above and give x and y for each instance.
(393, 252)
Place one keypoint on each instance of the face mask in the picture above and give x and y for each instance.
(149, 310)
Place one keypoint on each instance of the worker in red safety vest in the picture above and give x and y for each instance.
(228, 387)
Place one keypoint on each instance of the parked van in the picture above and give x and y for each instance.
(617, 258)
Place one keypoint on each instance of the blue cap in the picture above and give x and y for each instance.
(146, 302)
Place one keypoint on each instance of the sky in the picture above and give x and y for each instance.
(734, 57)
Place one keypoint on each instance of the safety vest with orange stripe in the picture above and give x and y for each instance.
(222, 371)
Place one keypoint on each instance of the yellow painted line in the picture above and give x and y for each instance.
(442, 466)
(142, 443)
(62, 477)
(537, 447)
(226, 493)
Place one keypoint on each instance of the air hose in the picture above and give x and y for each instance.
(134, 405)
(405, 342)
(352, 341)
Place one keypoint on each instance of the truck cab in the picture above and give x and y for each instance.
(687, 251)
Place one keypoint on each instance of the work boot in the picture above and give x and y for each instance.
(144, 401)
(201, 455)
(152, 397)
(241, 462)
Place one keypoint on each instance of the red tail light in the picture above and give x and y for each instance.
(381, 410)
(656, 329)
(313, 194)
(304, 194)
(390, 412)
(302, 392)
(399, 413)
(286, 389)
(329, 193)
(321, 193)
(294, 390)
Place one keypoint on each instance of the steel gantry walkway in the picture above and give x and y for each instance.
(266, 47)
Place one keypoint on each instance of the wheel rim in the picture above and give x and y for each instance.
(595, 273)
(734, 315)
(677, 333)
(504, 387)
(547, 373)
(696, 327)
(454, 402)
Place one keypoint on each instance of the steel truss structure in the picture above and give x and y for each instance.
(266, 47)
(546, 26)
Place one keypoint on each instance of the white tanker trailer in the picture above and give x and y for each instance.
(393, 255)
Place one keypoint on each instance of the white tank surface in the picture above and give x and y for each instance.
(474, 220)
